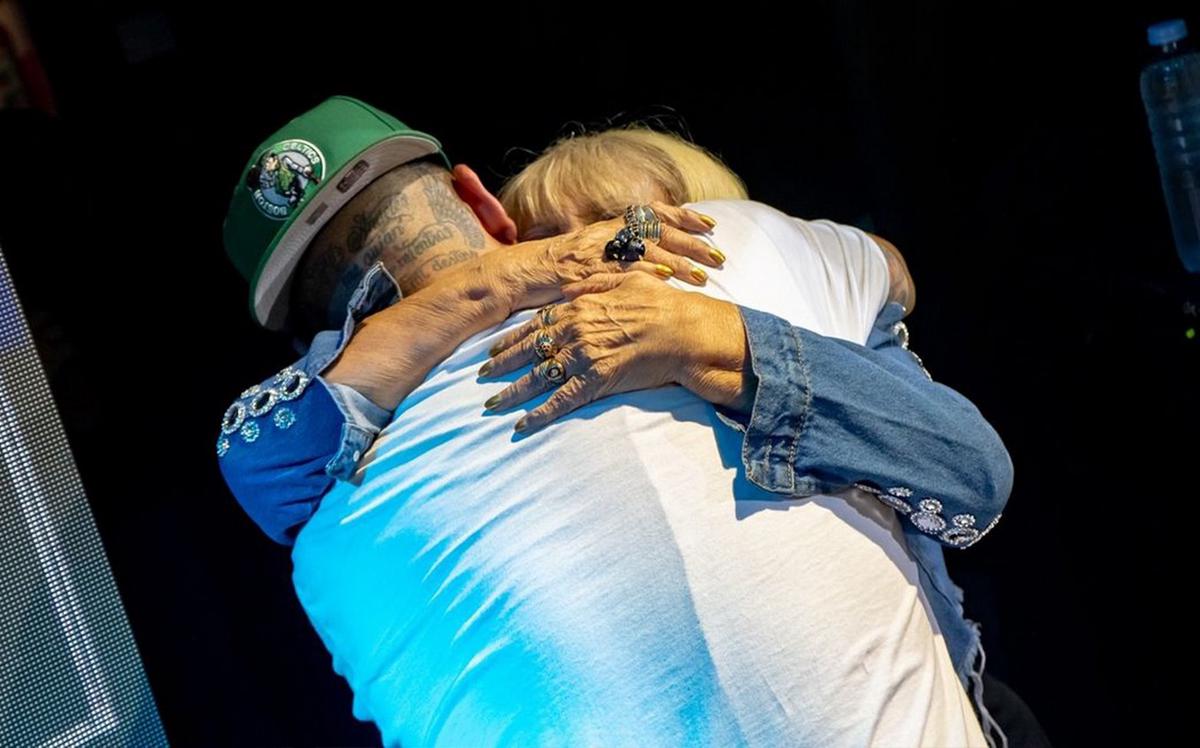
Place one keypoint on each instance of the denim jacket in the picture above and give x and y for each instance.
(828, 415)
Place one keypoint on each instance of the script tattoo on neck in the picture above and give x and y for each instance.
(448, 209)
(390, 213)
(400, 227)
(450, 227)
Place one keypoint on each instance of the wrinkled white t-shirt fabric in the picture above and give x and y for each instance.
(613, 579)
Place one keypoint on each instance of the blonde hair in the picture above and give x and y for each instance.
(595, 175)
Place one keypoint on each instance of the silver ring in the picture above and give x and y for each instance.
(643, 222)
(543, 345)
(651, 226)
(552, 371)
(652, 230)
(546, 314)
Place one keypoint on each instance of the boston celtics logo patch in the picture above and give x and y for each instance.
(281, 177)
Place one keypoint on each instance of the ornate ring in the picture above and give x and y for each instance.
(543, 345)
(546, 314)
(626, 246)
(629, 245)
(645, 221)
(552, 371)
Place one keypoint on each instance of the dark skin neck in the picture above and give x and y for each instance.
(411, 219)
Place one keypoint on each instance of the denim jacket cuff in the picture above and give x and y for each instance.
(781, 409)
(364, 420)
(356, 407)
(353, 444)
(377, 290)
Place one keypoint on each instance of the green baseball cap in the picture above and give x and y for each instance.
(297, 180)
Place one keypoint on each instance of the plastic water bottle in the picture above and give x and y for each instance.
(1171, 93)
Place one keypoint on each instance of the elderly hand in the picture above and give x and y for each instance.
(623, 332)
(531, 273)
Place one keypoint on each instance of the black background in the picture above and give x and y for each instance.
(1002, 147)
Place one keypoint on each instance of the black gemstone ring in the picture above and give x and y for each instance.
(626, 246)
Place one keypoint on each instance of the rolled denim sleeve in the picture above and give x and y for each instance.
(284, 441)
(829, 414)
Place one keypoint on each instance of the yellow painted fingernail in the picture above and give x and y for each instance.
(521, 424)
(492, 402)
(494, 350)
(699, 275)
(485, 369)
(717, 255)
(664, 271)
(708, 220)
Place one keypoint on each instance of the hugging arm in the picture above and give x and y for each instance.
(819, 414)
(284, 442)
(827, 414)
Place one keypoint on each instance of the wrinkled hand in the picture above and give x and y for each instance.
(531, 273)
(623, 332)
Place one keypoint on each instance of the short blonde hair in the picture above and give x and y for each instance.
(596, 174)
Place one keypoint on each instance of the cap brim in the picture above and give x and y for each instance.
(272, 282)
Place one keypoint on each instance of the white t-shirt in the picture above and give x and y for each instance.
(613, 579)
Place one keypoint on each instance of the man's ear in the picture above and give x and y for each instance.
(486, 207)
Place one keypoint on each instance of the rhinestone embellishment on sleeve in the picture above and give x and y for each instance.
(284, 418)
(250, 432)
(959, 531)
(290, 384)
(262, 402)
(233, 418)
